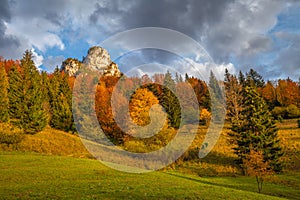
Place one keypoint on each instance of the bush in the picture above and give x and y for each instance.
(135, 146)
(279, 112)
(10, 135)
(298, 123)
(289, 112)
(293, 111)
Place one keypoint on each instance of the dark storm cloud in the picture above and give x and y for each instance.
(41, 8)
(187, 16)
(6, 42)
(4, 10)
(225, 28)
(191, 17)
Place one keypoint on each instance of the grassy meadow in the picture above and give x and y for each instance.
(55, 165)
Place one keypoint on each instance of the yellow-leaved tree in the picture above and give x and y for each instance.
(141, 102)
(205, 116)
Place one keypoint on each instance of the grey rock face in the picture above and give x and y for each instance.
(98, 58)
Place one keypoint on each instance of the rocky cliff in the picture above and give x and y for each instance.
(70, 66)
(97, 58)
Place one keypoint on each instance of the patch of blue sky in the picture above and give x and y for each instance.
(289, 20)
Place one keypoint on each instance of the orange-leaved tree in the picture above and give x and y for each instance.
(256, 166)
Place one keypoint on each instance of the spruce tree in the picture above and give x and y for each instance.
(26, 97)
(45, 85)
(4, 101)
(35, 118)
(242, 79)
(15, 95)
(254, 78)
(61, 102)
(256, 129)
(170, 102)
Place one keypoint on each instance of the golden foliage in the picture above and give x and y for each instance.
(205, 116)
(140, 105)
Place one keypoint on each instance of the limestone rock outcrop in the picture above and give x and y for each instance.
(70, 66)
(97, 58)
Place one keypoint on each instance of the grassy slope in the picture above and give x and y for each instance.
(52, 142)
(30, 175)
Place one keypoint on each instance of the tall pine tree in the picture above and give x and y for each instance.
(170, 102)
(4, 101)
(253, 78)
(15, 95)
(256, 129)
(61, 102)
(26, 97)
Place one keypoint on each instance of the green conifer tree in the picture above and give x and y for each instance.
(45, 90)
(15, 95)
(35, 118)
(256, 129)
(26, 97)
(60, 96)
(4, 101)
(253, 78)
(170, 102)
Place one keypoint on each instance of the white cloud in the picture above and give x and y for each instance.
(229, 29)
(202, 70)
(39, 33)
(37, 59)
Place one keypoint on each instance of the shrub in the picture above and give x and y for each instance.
(279, 112)
(293, 111)
(290, 112)
(10, 135)
(135, 146)
(298, 123)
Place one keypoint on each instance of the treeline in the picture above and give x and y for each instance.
(31, 100)
(282, 96)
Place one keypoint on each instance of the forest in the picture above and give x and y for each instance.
(31, 100)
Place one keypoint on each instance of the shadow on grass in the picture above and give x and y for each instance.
(240, 184)
(206, 182)
(219, 158)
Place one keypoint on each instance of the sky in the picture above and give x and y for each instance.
(237, 34)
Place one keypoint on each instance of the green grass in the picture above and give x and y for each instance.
(36, 176)
(45, 175)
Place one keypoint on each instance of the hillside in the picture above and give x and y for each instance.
(35, 176)
(25, 175)
(52, 142)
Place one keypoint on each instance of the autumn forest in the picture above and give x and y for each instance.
(32, 100)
